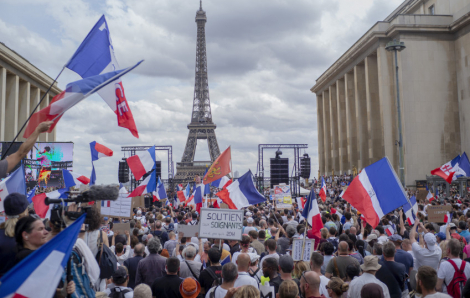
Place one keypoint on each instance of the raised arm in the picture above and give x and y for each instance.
(402, 223)
(413, 232)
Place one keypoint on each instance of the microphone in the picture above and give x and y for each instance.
(95, 193)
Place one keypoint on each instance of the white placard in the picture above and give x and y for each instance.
(267, 291)
(297, 249)
(122, 207)
(221, 224)
(188, 231)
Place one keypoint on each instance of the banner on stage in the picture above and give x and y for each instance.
(221, 224)
(297, 249)
(436, 213)
(283, 196)
(122, 207)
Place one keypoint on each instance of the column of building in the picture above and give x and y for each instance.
(327, 130)
(351, 121)
(361, 115)
(320, 128)
(334, 167)
(342, 133)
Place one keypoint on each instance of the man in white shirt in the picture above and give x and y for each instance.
(369, 268)
(446, 269)
(316, 262)
(430, 254)
(244, 278)
(271, 245)
(250, 227)
(229, 276)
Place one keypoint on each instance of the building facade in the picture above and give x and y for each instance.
(22, 85)
(357, 96)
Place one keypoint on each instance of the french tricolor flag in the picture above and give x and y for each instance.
(39, 201)
(411, 210)
(198, 194)
(149, 185)
(322, 193)
(430, 196)
(390, 231)
(142, 163)
(179, 187)
(312, 213)
(31, 194)
(72, 179)
(448, 217)
(220, 183)
(160, 193)
(97, 151)
(35, 275)
(241, 193)
(14, 183)
(376, 191)
(449, 170)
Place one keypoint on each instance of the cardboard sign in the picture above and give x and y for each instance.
(188, 231)
(221, 224)
(138, 202)
(297, 249)
(437, 213)
(421, 195)
(121, 228)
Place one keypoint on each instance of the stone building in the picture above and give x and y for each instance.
(357, 95)
(22, 85)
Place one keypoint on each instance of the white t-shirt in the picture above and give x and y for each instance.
(425, 257)
(219, 292)
(235, 255)
(438, 295)
(323, 283)
(446, 272)
(382, 239)
(245, 279)
(247, 229)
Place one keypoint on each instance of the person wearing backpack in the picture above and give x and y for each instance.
(453, 273)
(211, 276)
(159, 233)
(229, 275)
(120, 290)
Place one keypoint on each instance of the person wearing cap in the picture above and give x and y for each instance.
(249, 226)
(168, 286)
(120, 279)
(190, 288)
(16, 207)
(9, 163)
(369, 268)
(254, 269)
(244, 278)
(371, 240)
(430, 254)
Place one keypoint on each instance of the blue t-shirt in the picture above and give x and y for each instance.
(404, 258)
(466, 235)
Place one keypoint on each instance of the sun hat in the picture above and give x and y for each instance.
(371, 237)
(371, 263)
(190, 288)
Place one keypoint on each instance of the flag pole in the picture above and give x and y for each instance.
(231, 168)
(32, 112)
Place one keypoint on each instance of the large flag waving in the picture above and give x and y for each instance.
(219, 168)
(450, 170)
(37, 274)
(160, 193)
(411, 210)
(95, 56)
(14, 183)
(376, 191)
(149, 185)
(241, 193)
(73, 179)
(322, 193)
(141, 163)
(73, 94)
(312, 214)
(97, 151)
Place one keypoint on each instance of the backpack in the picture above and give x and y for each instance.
(334, 242)
(118, 294)
(455, 287)
(106, 259)
(83, 287)
(212, 294)
(217, 280)
(159, 236)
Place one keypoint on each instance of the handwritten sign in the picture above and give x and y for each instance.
(437, 213)
(221, 224)
(121, 228)
(297, 249)
(122, 207)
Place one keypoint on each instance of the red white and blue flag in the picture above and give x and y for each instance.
(322, 192)
(160, 193)
(73, 179)
(97, 151)
(141, 163)
(14, 183)
(448, 217)
(95, 56)
(376, 191)
(241, 193)
(73, 94)
(390, 231)
(31, 194)
(220, 183)
(42, 210)
(149, 185)
(34, 276)
(198, 194)
(411, 210)
(449, 171)
(312, 213)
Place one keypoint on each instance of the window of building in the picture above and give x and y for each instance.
(432, 10)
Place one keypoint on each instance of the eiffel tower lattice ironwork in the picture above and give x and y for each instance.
(201, 126)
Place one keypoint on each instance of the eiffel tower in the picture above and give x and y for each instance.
(201, 126)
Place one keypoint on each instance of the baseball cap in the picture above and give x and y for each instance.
(249, 220)
(441, 235)
(452, 225)
(15, 204)
(249, 213)
(371, 237)
(395, 238)
(120, 275)
(430, 240)
(105, 218)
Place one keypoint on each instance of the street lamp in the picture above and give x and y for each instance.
(398, 46)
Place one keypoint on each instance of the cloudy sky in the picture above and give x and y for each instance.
(263, 58)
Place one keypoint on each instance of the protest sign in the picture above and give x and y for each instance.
(221, 224)
(119, 208)
(297, 249)
(282, 196)
(188, 231)
(121, 228)
(437, 213)
(138, 202)
(421, 195)
(266, 290)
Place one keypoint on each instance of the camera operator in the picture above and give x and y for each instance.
(9, 163)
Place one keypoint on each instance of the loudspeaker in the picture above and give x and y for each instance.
(279, 171)
(305, 166)
(123, 174)
(158, 169)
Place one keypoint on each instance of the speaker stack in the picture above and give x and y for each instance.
(305, 166)
(123, 174)
(158, 168)
(279, 171)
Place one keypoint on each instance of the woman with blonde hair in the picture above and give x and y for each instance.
(16, 207)
(288, 289)
(247, 291)
(299, 268)
(337, 288)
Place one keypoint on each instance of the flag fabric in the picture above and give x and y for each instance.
(161, 192)
(167, 203)
(312, 214)
(198, 194)
(216, 203)
(219, 168)
(207, 187)
(322, 193)
(95, 56)
(390, 231)
(179, 187)
(35, 275)
(31, 194)
(301, 202)
(448, 217)
(241, 193)
(448, 170)
(97, 151)
(149, 185)
(72, 179)
(181, 196)
(430, 196)
(464, 164)
(411, 210)
(219, 183)
(72, 95)
(142, 162)
(225, 260)
(16, 182)
(376, 191)
(42, 210)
